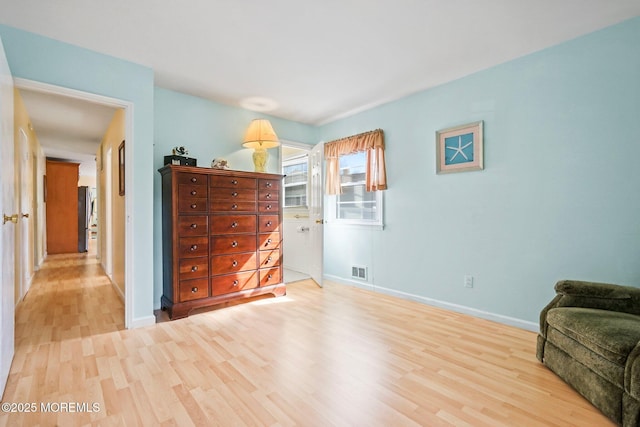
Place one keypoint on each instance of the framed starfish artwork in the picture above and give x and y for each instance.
(459, 149)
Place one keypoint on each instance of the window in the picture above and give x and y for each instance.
(295, 181)
(356, 205)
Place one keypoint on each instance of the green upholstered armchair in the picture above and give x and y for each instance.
(590, 337)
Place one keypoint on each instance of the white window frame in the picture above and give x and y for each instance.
(378, 222)
(295, 161)
(302, 211)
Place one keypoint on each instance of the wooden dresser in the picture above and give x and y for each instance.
(221, 237)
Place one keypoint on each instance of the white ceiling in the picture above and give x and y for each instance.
(313, 61)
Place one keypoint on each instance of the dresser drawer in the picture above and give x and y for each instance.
(231, 206)
(223, 264)
(231, 182)
(191, 247)
(233, 282)
(232, 194)
(269, 184)
(269, 241)
(192, 191)
(193, 268)
(270, 276)
(192, 204)
(269, 207)
(191, 178)
(194, 289)
(192, 226)
(269, 258)
(233, 243)
(268, 223)
(268, 195)
(227, 224)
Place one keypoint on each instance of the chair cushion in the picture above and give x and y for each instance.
(609, 334)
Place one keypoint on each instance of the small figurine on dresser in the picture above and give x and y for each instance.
(219, 164)
(179, 157)
(180, 151)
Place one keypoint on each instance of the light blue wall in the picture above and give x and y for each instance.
(209, 130)
(559, 197)
(46, 60)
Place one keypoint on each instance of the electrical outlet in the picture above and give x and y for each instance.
(468, 281)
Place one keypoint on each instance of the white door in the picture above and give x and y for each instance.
(316, 213)
(8, 228)
(24, 241)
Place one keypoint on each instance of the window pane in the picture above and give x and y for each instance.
(295, 183)
(355, 202)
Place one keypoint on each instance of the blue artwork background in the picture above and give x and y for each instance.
(451, 145)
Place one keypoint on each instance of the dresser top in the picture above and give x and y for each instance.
(210, 171)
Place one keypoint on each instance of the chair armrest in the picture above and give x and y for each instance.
(603, 296)
(632, 373)
(595, 290)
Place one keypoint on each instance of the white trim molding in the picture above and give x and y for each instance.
(128, 107)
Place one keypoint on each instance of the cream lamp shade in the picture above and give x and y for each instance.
(260, 136)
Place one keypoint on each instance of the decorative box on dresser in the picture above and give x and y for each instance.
(221, 237)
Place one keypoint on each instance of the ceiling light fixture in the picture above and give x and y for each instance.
(260, 104)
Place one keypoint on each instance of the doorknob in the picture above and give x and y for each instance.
(25, 215)
(13, 218)
(319, 221)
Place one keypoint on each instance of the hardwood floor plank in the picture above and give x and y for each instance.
(338, 356)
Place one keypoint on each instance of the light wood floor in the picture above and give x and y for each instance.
(337, 356)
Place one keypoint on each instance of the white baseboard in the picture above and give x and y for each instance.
(499, 318)
(141, 322)
(117, 289)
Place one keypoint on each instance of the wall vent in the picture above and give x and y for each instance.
(359, 272)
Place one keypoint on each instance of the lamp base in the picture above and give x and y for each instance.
(260, 157)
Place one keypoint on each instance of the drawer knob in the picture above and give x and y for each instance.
(269, 259)
(234, 194)
(194, 225)
(268, 223)
(193, 206)
(268, 196)
(194, 192)
(234, 263)
(194, 179)
(235, 283)
(193, 248)
(194, 268)
(194, 290)
(268, 184)
(268, 241)
(234, 224)
(234, 244)
(268, 207)
(234, 181)
(269, 277)
(234, 206)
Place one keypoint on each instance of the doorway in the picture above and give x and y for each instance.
(301, 251)
(114, 106)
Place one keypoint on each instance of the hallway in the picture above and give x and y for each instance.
(69, 300)
(70, 297)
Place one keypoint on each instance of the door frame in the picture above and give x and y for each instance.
(317, 277)
(21, 83)
(24, 269)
